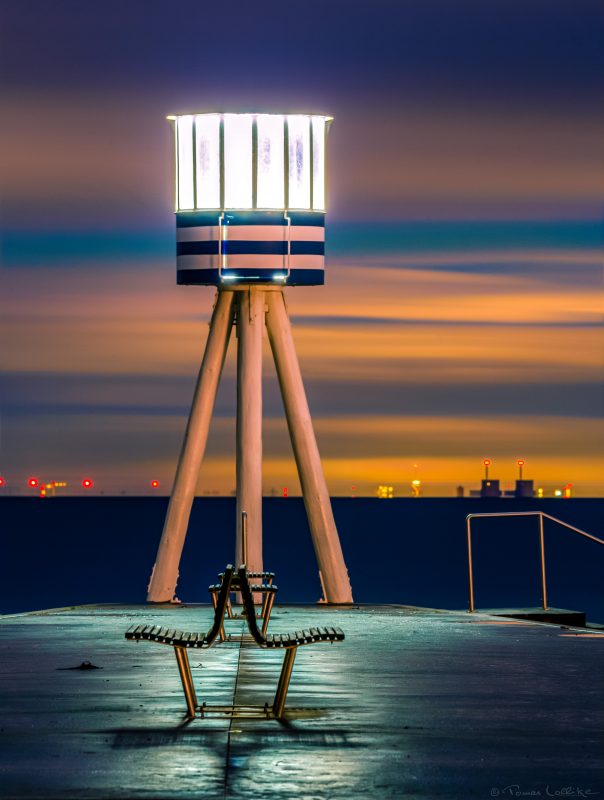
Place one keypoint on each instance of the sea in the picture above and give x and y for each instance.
(67, 551)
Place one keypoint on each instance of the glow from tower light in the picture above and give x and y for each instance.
(238, 160)
(207, 160)
(242, 161)
(299, 161)
(270, 189)
(184, 132)
(318, 163)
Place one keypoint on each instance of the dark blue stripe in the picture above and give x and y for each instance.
(306, 277)
(194, 219)
(199, 277)
(314, 218)
(307, 248)
(253, 272)
(254, 218)
(249, 248)
(210, 277)
(273, 248)
(197, 248)
(254, 248)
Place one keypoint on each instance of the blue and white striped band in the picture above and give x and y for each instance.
(250, 247)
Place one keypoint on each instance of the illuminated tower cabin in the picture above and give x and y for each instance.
(250, 220)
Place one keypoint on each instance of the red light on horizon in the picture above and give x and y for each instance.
(87, 483)
(487, 462)
(33, 483)
(285, 491)
(2, 481)
(520, 462)
(155, 484)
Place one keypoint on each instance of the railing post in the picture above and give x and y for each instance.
(470, 576)
(542, 515)
(542, 550)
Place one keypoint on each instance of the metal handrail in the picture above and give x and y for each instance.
(542, 515)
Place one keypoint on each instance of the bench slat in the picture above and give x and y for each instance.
(161, 637)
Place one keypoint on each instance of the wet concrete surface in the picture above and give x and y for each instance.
(415, 703)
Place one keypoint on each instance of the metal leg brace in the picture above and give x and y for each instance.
(267, 606)
(184, 669)
(284, 678)
(221, 633)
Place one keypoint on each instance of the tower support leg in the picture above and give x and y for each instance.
(165, 572)
(250, 330)
(314, 488)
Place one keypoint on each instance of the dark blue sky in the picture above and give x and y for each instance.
(538, 50)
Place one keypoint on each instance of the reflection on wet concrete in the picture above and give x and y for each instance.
(412, 703)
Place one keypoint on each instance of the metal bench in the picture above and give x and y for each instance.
(265, 590)
(287, 641)
(183, 640)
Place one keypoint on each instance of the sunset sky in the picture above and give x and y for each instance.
(462, 312)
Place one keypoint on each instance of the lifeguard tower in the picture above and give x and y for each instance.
(250, 220)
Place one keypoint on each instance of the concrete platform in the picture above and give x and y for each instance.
(415, 703)
(558, 616)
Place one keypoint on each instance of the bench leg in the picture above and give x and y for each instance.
(221, 633)
(267, 607)
(184, 669)
(284, 678)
